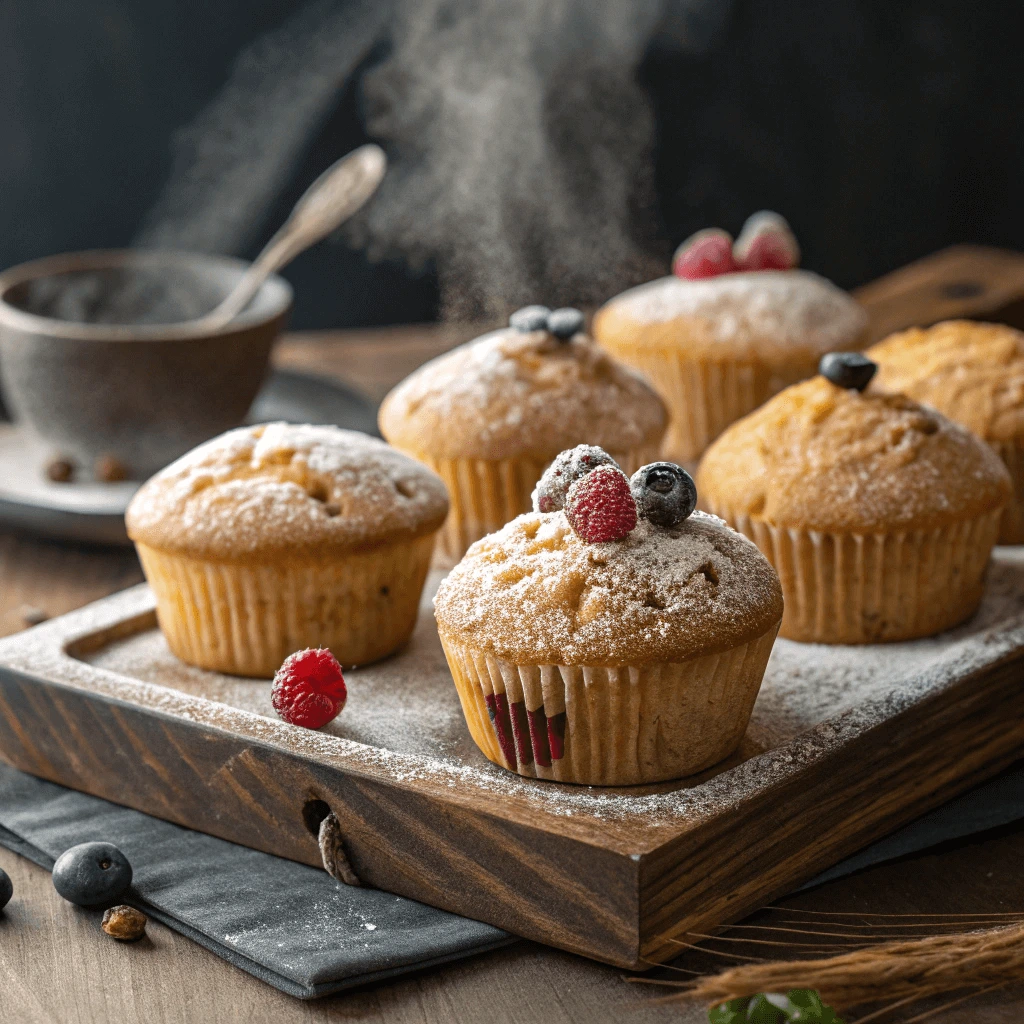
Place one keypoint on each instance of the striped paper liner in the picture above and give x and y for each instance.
(485, 495)
(245, 619)
(604, 726)
(847, 588)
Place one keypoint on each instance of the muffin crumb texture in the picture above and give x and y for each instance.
(820, 457)
(289, 489)
(511, 393)
(534, 592)
(972, 372)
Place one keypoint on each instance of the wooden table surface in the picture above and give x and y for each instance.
(57, 967)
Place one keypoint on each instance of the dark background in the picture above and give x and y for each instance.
(882, 130)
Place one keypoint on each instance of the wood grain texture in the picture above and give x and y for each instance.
(606, 881)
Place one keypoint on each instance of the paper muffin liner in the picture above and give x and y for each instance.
(704, 396)
(485, 495)
(246, 619)
(870, 588)
(602, 726)
(1011, 528)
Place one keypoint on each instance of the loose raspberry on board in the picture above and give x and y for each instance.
(309, 689)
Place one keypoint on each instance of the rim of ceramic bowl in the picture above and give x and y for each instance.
(272, 300)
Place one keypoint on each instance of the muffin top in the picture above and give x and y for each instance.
(763, 313)
(288, 490)
(822, 457)
(971, 372)
(515, 393)
(536, 593)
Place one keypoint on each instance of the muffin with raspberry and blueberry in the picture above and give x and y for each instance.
(734, 323)
(616, 638)
(489, 416)
(878, 513)
(278, 537)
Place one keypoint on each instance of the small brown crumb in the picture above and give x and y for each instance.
(31, 615)
(60, 470)
(110, 469)
(124, 923)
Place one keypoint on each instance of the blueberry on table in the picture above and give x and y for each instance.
(529, 318)
(564, 323)
(665, 493)
(92, 873)
(847, 369)
(6, 888)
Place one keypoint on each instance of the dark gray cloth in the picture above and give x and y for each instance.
(290, 925)
(296, 928)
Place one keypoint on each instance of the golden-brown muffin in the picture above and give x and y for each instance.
(715, 349)
(623, 662)
(974, 374)
(270, 539)
(879, 514)
(489, 416)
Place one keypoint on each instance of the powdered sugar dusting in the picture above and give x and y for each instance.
(814, 700)
(536, 593)
(510, 393)
(790, 307)
(286, 487)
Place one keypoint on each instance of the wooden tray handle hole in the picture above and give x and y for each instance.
(313, 813)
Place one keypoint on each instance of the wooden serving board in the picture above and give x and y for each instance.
(845, 744)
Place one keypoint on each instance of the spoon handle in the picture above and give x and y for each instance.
(334, 197)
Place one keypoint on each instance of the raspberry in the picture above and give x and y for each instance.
(567, 468)
(600, 507)
(766, 243)
(707, 253)
(309, 689)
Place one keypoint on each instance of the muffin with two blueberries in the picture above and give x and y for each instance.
(878, 513)
(735, 323)
(490, 415)
(614, 636)
(974, 374)
(274, 538)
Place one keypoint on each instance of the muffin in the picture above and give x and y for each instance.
(974, 374)
(489, 416)
(614, 641)
(270, 539)
(878, 513)
(731, 327)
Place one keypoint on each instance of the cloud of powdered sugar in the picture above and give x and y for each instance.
(520, 141)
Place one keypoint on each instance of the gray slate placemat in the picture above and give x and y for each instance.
(297, 929)
(290, 925)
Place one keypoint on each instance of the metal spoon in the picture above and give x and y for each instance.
(334, 197)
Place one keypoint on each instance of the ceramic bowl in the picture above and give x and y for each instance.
(141, 392)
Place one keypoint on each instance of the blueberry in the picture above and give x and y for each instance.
(568, 467)
(665, 493)
(92, 873)
(6, 888)
(564, 323)
(847, 369)
(529, 318)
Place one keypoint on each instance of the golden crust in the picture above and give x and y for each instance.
(286, 492)
(534, 593)
(971, 372)
(785, 319)
(510, 394)
(820, 457)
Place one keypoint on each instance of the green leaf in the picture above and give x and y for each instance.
(732, 1012)
(762, 1011)
(809, 1009)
